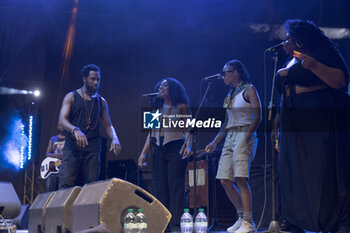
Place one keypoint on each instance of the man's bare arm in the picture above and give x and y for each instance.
(107, 124)
(63, 120)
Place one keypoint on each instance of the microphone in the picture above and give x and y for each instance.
(151, 94)
(215, 76)
(276, 47)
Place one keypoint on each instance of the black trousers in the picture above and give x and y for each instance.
(79, 167)
(170, 172)
(52, 183)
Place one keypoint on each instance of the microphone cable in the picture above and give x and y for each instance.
(265, 144)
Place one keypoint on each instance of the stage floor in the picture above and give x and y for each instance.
(26, 231)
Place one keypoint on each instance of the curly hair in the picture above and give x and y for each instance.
(238, 65)
(177, 93)
(307, 34)
(86, 70)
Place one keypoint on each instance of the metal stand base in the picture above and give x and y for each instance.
(214, 224)
(274, 228)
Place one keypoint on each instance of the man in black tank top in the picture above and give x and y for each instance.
(81, 113)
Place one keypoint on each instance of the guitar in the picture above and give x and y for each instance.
(49, 166)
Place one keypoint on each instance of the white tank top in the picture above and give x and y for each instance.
(240, 112)
(170, 134)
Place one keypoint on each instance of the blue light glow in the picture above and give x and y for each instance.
(14, 144)
(30, 137)
(21, 156)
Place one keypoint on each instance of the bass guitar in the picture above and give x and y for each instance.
(49, 166)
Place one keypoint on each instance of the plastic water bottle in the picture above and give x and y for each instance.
(201, 222)
(186, 223)
(141, 221)
(130, 222)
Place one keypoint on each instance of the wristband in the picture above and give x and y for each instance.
(75, 129)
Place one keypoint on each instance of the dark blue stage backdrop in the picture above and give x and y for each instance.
(138, 42)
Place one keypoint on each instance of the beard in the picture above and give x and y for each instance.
(92, 90)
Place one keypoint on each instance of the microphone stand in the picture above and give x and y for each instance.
(194, 133)
(214, 219)
(274, 225)
(152, 143)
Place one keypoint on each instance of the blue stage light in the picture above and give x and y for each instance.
(30, 137)
(21, 156)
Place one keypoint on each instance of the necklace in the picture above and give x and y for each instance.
(89, 112)
(233, 92)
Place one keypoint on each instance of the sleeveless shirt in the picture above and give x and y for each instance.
(57, 144)
(239, 113)
(79, 114)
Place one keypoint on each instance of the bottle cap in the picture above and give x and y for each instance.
(140, 210)
(186, 210)
(130, 210)
(201, 210)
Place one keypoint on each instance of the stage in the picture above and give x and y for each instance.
(138, 45)
(26, 231)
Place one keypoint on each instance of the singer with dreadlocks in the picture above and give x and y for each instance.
(82, 112)
(243, 115)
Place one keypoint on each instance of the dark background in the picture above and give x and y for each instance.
(136, 43)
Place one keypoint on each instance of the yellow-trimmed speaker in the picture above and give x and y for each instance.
(108, 201)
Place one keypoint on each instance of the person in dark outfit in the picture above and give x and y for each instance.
(169, 164)
(54, 150)
(82, 113)
(313, 130)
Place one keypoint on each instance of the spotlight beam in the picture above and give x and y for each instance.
(13, 91)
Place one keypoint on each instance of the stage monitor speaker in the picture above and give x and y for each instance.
(37, 212)
(58, 214)
(10, 206)
(21, 220)
(107, 202)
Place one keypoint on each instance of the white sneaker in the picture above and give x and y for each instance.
(246, 227)
(234, 227)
